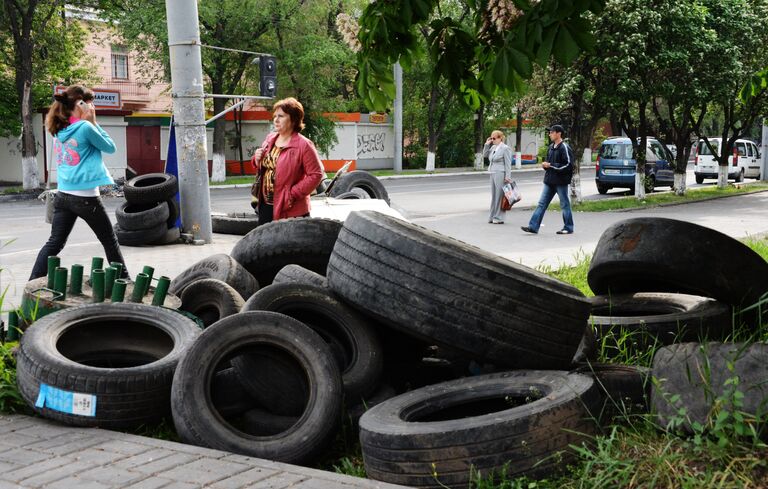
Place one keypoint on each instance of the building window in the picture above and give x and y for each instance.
(119, 63)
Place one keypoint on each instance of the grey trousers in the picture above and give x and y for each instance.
(497, 181)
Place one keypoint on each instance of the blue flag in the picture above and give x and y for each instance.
(172, 167)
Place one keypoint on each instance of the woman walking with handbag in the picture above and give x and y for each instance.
(78, 142)
(288, 167)
(500, 165)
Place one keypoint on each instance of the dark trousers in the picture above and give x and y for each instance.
(66, 209)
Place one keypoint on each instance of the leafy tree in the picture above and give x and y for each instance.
(490, 54)
(39, 48)
(742, 31)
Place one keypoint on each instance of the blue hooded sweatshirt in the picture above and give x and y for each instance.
(77, 154)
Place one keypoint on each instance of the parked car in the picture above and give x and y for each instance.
(615, 167)
(745, 161)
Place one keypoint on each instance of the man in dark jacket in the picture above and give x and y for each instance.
(558, 170)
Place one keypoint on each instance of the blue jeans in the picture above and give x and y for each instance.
(66, 209)
(547, 194)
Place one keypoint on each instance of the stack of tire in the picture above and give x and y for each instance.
(359, 184)
(150, 211)
(346, 316)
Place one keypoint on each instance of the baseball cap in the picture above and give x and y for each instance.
(556, 128)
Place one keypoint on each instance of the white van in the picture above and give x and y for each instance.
(745, 161)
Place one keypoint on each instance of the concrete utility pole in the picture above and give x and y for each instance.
(398, 118)
(189, 117)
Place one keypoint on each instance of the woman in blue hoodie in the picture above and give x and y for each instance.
(77, 146)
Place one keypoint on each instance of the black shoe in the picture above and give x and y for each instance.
(528, 230)
(564, 231)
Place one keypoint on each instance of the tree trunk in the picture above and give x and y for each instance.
(218, 168)
(640, 156)
(479, 139)
(30, 173)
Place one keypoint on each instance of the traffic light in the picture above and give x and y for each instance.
(268, 76)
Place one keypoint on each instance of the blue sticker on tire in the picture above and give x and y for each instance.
(66, 402)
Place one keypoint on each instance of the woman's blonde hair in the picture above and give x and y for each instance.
(64, 104)
(498, 134)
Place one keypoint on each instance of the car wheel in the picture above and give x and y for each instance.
(602, 188)
(740, 176)
(699, 179)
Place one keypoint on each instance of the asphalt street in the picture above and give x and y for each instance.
(454, 205)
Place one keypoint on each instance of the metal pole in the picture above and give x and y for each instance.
(189, 117)
(398, 118)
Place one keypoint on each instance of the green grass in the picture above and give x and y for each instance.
(663, 198)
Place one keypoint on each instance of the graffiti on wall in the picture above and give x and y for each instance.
(370, 143)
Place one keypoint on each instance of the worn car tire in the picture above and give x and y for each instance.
(140, 237)
(455, 295)
(651, 254)
(626, 389)
(300, 275)
(135, 217)
(363, 180)
(696, 378)
(151, 188)
(123, 354)
(219, 266)
(195, 417)
(211, 299)
(228, 396)
(434, 436)
(303, 241)
(173, 212)
(238, 223)
(659, 318)
(353, 340)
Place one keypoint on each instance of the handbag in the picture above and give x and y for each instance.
(505, 205)
(511, 194)
(255, 187)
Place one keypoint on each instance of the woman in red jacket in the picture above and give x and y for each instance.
(288, 164)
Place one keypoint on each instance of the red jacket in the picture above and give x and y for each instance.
(299, 171)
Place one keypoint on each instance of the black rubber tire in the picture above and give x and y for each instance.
(300, 275)
(228, 396)
(588, 347)
(697, 377)
(699, 179)
(124, 354)
(740, 176)
(172, 235)
(285, 391)
(138, 217)
(151, 188)
(652, 254)
(304, 241)
(431, 437)
(211, 299)
(659, 318)
(140, 237)
(455, 295)
(173, 212)
(626, 389)
(219, 266)
(197, 421)
(260, 422)
(381, 394)
(602, 188)
(360, 179)
(353, 340)
(238, 223)
(355, 193)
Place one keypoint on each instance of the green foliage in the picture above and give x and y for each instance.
(350, 466)
(491, 54)
(10, 398)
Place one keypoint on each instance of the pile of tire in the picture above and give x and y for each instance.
(422, 342)
(150, 211)
(662, 281)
